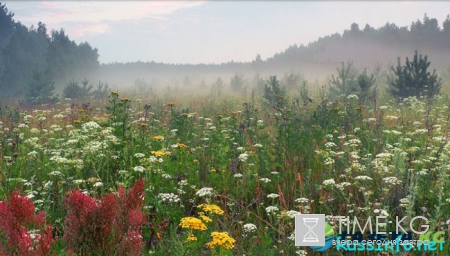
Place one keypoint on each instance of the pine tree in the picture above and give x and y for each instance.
(345, 83)
(414, 79)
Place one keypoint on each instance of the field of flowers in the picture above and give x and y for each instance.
(214, 176)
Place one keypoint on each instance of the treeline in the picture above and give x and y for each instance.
(33, 61)
(422, 35)
(366, 47)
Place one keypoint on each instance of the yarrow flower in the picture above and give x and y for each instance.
(205, 192)
(272, 209)
(273, 195)
(329, 182)
(249, 228)
(139, 169)
(243, 157)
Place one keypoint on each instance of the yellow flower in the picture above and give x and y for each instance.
(93, 179)
(158, 138)
(78, 121)
(206, 219)
(181, 145)
(171, 104)
(221, 239)
(125, 99)
(192, 223)
(157, 153)
(114, 93)
(211, 208)
(191, 238)
(143, 124)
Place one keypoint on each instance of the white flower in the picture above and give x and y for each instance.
(139, 169)
(205, 192)
(363, 177)
(272, 209)
(139, 155)
(291, 213)
(273, 195)
(329, 182)
(98, 184)
(55, 173)
(249, 228)
(257, 145)
(243, 157)
(237, 175)
(169, 198)
(302, 200)
(265, 180)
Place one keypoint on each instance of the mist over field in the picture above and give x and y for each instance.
(28, 51)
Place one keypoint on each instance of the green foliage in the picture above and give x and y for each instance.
(366, 83)
(273, 92)
(345, 83)
(217, 87)
(291, 80)
(39, 89)
(237, 82)
(101, 91)
(74, 91)
(413, 79)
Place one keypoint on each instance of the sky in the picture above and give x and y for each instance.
(181, 32)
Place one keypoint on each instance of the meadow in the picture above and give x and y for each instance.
(206, 175)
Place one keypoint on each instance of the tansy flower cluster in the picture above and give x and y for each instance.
(192, 223)
(221, 239)
(211, 208)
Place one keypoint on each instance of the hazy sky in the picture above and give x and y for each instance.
(211, 31)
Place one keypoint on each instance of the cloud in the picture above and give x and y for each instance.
(96, 17)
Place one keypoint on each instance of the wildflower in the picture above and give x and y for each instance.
(192, 223)
(169, 198)
(205, 192)
(93, 179)
(211, 208)
(139, 155)
(171, 104)
(206, 219)
(158, 138)
(125, 99)
(139, 169)
(302, 200)
(114, 93)
(290, 214)
(191, 238)
(273, 195)
(271, 209)
(328, 182)
(363, 177)
(237, 175)
(55, 173)
(243, 157)
(98, 184)
(157, 153)
(265, 180)
(249, 228)
(222, 239)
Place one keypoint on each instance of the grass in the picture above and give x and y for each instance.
(259, 164)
